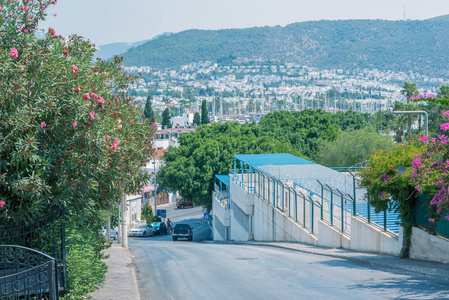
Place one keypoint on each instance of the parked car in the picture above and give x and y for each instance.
(181, 204)
(182, 231)
(159, 228)
(114, 233)
(142, 230)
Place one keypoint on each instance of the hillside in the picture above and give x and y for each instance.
(109, 50)
(419, 46)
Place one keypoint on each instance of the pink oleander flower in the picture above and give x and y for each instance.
(154, 125)
(131, 121)
(74, 124)
(86, 96)
(26, 8)
(446, 113)
(31, 16)
(25, 30)
(101, 101)
(2, 203)
(447, 217)
(13, 41)
(54, 2)
(74, 69)
(1, 7)
(93, 95)
(91, 115)
(108, 138)
(43, 124)
(118, 148)
(14, 53)
(42, 7)
(115, 112)
(431, 220)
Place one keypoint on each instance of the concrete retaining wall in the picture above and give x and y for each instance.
(366, 237)
(270, 224)
(428, 247)
(331, 237)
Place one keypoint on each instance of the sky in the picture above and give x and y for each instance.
(110, 21)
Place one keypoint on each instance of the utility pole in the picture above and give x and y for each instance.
(155, 189)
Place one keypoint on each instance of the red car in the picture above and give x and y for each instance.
(181, 204)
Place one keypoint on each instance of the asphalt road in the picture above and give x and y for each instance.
(169, 269)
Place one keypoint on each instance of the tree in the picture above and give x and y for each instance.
(148, 111)
(70, 134)
(147, 214)
(351, 147)
(204, 113)
(409, 89)
(387, 189)
(251, 105)
(444, 92)
(197, 119)
(190, 169)
(166, 118)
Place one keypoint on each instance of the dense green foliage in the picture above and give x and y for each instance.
(388, 189)
(166, 117)
(345, 44)
(69, 136)
(147, 214)
(196, 119)
(190, 169)
(204, 113)
(304, 130)
(148, 110)
(351, 147)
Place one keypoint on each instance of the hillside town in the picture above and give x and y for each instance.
(244, 90)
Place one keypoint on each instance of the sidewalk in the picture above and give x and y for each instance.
(121, 281)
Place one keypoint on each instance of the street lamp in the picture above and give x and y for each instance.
(426, 117)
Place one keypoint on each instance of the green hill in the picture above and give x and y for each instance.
(420, 46)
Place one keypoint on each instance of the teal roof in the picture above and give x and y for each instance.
(223, 178)
(275, 159)
(289, 168)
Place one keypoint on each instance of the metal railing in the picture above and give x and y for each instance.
(307, 208)
(290, 198)
(221, 197)
(239, 176)
(42, 236)
(27, 274)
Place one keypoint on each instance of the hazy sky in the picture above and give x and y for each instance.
(108, 21)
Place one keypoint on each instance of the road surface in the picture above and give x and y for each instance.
(169, 269)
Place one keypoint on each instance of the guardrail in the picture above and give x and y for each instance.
(307, 208)
(290, 199)
(27, 274)
(220, 198)
(238, 176)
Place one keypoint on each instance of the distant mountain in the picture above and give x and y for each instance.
(109, 50)
(420, 46)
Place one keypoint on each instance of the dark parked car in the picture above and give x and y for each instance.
(182, 231)
(181, 204)
(159, 228)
